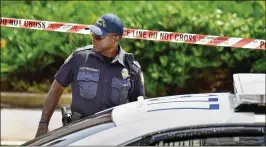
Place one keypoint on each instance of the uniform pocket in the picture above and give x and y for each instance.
(88, 83)
(120, 88)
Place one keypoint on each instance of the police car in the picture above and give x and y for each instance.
(180, 120)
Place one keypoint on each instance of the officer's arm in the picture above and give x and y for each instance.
(63, 78)
(51, 101)
(139, 89)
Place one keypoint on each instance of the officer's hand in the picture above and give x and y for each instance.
(42, 129)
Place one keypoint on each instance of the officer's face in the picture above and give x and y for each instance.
(106, 42)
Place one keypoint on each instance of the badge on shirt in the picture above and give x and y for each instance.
(124, 73)
(68, 58)
(141, 78)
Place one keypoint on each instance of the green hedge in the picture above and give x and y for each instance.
(31, 57)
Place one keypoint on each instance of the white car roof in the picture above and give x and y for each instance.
(183, 110)
(160, 114)
(171, 112)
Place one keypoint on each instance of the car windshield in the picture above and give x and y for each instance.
(100, 118)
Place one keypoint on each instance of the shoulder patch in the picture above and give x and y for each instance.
(68, 58)
(142, 78)
(136, 63)
(88, 47)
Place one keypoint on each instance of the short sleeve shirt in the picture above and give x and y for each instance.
(97, 85)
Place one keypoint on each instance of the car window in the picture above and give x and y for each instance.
(76, 130)
(206, 136)
(219, 141)
(72, 138)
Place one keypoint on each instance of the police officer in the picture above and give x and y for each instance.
(102, 75)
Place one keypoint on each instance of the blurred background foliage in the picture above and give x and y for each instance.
(30, 58)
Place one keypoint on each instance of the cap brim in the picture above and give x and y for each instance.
(96, 30)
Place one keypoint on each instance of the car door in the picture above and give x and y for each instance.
(226, 135)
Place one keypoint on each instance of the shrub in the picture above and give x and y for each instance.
(169, 68)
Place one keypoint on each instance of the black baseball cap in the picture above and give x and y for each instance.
(108, 23)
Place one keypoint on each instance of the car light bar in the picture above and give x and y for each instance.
(250, 93)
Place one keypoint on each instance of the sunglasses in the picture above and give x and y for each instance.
(99, 37)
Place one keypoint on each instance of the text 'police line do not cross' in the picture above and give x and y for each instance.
(200, 39)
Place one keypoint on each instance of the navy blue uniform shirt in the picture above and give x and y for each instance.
(97, 85)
